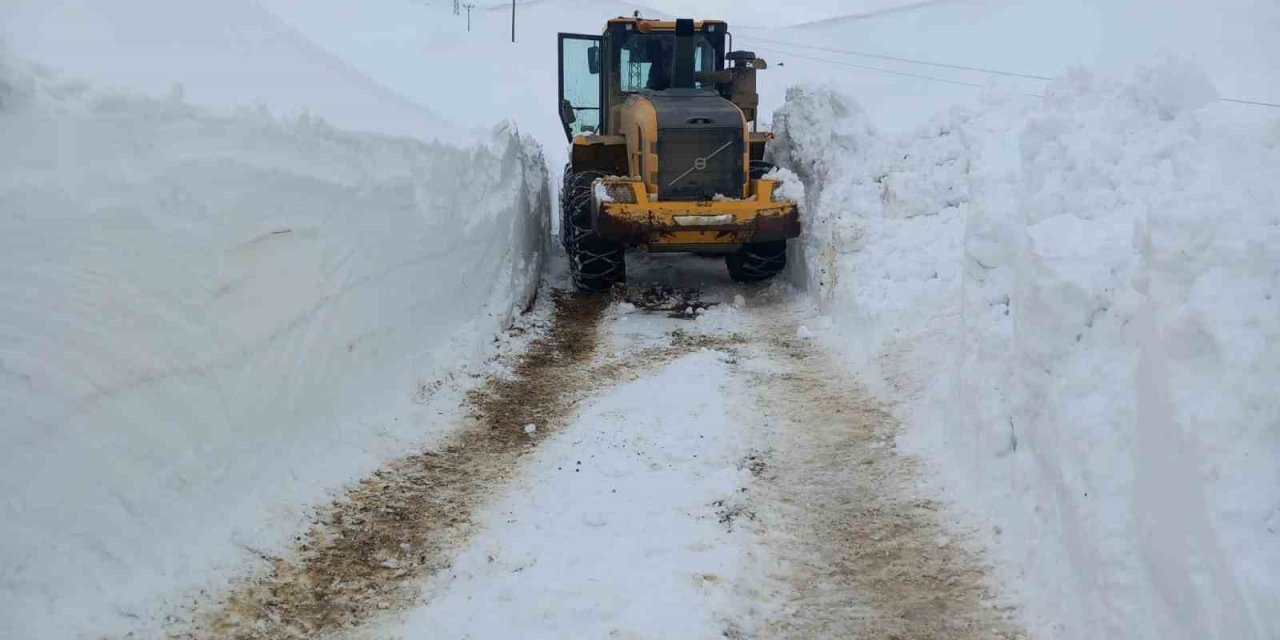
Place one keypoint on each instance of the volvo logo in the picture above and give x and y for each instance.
(700, 164)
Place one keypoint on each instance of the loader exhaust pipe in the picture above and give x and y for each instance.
(682, 77)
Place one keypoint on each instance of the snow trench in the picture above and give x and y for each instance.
(1074, 302)
(208, 319)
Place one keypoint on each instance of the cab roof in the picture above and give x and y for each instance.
(648, 24)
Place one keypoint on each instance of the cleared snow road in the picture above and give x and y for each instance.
(683, 465)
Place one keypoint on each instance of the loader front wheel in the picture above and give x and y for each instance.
(757, 262)
(594, 262)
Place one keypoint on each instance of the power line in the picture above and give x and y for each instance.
(870, 68)
(1253, 102)
(996, 72)
(879, 56)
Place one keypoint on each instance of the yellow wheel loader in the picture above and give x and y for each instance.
(665, 155)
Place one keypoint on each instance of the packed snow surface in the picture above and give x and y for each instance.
(613, 528)
(1076, 302)
(207, 320)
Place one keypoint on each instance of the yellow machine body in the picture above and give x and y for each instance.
(664, 155)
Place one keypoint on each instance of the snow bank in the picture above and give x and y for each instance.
(1075, 303)
(207, 319)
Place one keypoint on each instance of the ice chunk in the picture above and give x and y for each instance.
(601, 193)
(789, 185)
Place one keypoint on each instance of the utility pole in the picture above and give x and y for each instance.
(469, 7)
(513, 20)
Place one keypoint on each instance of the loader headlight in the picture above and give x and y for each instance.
(614, 191)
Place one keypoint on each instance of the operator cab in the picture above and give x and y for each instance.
(634, 55)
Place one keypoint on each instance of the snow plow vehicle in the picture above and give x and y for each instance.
(665, 152)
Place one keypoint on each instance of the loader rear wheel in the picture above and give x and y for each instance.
(757, 262)
(594, 262)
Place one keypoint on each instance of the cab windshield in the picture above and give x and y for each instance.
(647, 61)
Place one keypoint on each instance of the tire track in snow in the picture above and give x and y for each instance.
(368, 551)
(861, 553)
(867, 557)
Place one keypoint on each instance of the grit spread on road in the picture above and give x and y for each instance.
(673, 461)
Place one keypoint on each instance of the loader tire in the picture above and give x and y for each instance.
(757, 262)
(594, 262)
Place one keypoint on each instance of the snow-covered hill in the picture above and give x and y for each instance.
(423, 51)
(906, 65)
(226, 54)
(207, 321)
(471, 77)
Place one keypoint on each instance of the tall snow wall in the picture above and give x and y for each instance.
(1075, 304)
(206, 319)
